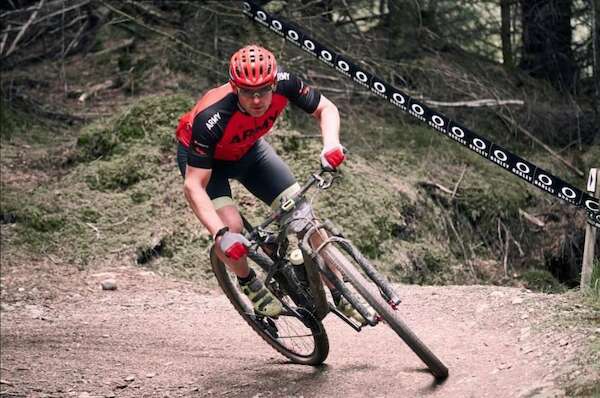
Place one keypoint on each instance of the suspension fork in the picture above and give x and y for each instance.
(384, 286)
(315, 236)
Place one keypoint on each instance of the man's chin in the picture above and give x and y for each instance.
(256, 113)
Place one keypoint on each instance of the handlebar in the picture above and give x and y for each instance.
(287, 206)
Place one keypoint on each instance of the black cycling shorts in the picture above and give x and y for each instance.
(260, 170)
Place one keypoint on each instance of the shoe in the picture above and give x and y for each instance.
(347, 309)
(263, 301)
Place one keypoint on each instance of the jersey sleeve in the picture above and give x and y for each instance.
(297, 91)
(206, 132)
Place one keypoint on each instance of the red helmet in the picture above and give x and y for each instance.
(252, 66)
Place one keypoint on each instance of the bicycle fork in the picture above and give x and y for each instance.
(385, 288)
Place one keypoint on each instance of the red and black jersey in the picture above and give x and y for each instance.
(217, 128)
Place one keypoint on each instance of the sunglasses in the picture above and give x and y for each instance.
(258, 92)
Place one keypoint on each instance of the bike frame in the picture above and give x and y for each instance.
(313, 238)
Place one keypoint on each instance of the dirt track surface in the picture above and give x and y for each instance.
(158, 337)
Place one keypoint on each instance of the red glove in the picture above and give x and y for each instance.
(332, 157)
(234, 245)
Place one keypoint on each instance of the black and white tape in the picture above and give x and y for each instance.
(507, 160)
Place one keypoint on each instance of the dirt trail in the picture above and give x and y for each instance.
(158, 337)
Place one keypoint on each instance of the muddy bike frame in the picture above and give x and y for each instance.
(295, 215)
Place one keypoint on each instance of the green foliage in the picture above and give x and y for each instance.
(152, 120)
(139, 196)
(429, 265)
(18, 123)
(9, 121)
(542, 280)
(121, 173)
(96, 142)
(40, 220)
(488, 198)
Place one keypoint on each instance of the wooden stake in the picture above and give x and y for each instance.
(590, 237)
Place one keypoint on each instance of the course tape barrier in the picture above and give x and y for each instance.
(498, 155)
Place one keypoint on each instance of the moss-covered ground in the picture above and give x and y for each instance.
(118, 197)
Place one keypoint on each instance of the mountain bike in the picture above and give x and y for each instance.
(294, 253)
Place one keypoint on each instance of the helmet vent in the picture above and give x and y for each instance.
(253, 66)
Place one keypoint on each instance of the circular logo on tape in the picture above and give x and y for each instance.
(544, 179)
(292, 34)
(399, 98)
(479, 143)
(500, 155)
(592, 205)
(343, 65)
(418, 109)
(437, 120)
(523, 168)
(261, 15)
(457, 131)
(309, 44)
(362, 76)
(246, 6)
(379, 87)
(326, 55)
(276, 24)
(568, 192)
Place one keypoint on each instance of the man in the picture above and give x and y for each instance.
(221, 138)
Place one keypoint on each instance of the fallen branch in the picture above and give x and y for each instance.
(435, 185)
(96, 88)
(4, 38)
(61, 11)
(94, 228)
(475, 103)
(462, 174)
(75, 41)
(532, 219)
(122, 45)
(151, 11)
(150, 28)
(462, 245)
(24, 28)
(546, 147)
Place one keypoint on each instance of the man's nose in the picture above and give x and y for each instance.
(256, 100)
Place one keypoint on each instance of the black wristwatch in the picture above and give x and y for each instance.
(221, 232)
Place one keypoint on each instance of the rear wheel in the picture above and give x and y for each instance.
(303, 341)
(368, 290)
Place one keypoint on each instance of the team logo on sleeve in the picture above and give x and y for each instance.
(213, 120)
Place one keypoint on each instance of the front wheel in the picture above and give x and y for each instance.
(303, 341)
(332, 255)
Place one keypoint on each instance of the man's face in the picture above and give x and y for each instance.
(255, 101)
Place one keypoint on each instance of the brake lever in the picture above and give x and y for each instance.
(326, 184)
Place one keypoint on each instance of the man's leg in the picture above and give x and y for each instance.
(270, 179)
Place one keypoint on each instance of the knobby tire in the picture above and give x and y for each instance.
(371, 294)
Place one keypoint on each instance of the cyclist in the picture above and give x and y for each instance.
(221, 138)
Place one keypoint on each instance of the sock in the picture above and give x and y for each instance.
(247, 279)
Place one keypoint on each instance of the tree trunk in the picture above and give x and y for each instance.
(596, 52)
(507, 57)
(547, 35)
(402, 24)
